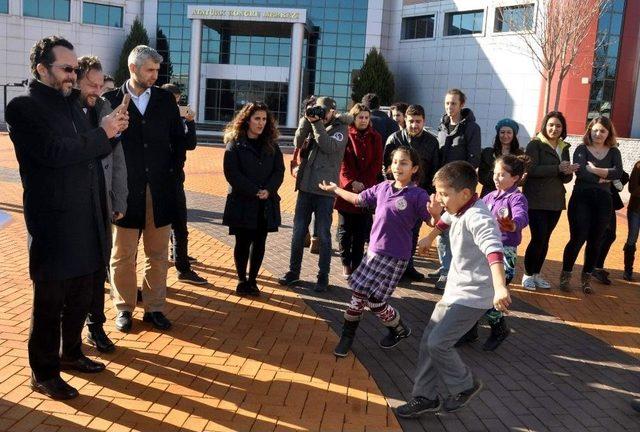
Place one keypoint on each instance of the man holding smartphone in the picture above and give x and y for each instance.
(179, 232)
(113, 187)
(59, 154)
(153, 145)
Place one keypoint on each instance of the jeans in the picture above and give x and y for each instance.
(444, 253)
(179, 231)
(353, 229)
(541, 223)
(608, 238)
(633, 222)
(321, 207)
(589, 213)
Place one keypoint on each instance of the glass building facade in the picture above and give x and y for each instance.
(331, 53)
(605, 65)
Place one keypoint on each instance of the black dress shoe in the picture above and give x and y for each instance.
(124, 321)
(82, 364)
(158, 320)
(99, 339)
(55, 388)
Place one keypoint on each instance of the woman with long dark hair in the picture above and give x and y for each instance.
(358, 171)
(254, 169)
(590, 205)
(505, 142)
(545, 192)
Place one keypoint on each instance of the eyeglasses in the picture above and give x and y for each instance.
(67, 68)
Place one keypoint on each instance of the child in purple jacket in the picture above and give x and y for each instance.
(398, 203)
(510, 208)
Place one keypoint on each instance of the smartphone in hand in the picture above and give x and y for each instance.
(124, 105)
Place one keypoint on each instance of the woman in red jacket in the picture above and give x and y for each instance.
(361, 164)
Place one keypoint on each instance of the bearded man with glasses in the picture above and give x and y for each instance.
(59, 153)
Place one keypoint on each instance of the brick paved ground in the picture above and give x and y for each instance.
(232, 364)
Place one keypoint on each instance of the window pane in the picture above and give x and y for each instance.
(4, 6)
(62, 10)
(115, 16)
(45, 9)
(102, 15)
(477, 22)
(30, 8)
(466, 26)
(88, 13)
(421, 27)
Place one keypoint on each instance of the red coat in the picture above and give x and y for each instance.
(362, 162)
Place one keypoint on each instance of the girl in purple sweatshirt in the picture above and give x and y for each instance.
(510, 209)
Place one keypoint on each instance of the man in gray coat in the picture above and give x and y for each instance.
(113, 183)
(321, 158)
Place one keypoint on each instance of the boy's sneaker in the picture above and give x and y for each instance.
(459, 401)
(289, 278)
(441, 283)
(541, 283)
(322, 284)
(191, 277)
(418, 406)
(529, 282)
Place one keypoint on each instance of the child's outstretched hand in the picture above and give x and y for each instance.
(328, 187)
(506, 224)
(501, 299)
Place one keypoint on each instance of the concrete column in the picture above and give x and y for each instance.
(295, 74)
(194, 64)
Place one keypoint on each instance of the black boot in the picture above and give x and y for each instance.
(346, 340)
(395, 335)
(470, 336)
(499, 332)
(629, 257)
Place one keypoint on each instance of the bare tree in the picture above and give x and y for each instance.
(559, 27)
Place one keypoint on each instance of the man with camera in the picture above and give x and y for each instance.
(321, 159)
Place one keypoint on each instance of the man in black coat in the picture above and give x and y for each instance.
(152, 147)
(59, 156)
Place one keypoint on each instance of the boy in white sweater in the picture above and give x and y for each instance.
(475, 284)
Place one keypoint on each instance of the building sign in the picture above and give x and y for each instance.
(235, 13)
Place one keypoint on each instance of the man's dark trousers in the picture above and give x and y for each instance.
(58, 306)
(96, 309)
(179, 231)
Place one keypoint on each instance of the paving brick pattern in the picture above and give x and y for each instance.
(239, 364)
